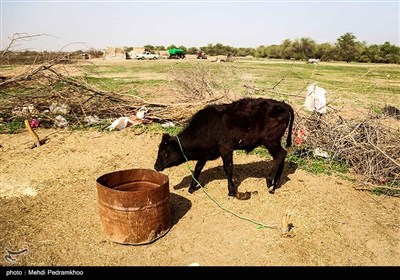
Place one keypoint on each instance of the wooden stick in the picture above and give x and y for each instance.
(32, 133)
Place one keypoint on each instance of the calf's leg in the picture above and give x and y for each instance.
(227, 159)
(196, 174)
(278, 154)
(278, 173)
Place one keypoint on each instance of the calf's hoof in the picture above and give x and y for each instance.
(271, 190)
(193, 189)
(231, 195)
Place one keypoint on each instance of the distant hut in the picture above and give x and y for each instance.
(114, 53)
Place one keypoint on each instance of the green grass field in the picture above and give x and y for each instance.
(354, 85)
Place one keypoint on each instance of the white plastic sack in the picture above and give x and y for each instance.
(120, 123)
(141, 112)
(60, 121)
(315, 99)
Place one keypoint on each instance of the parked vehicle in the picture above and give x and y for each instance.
(201, 55)
(146, 55)
(176, 53)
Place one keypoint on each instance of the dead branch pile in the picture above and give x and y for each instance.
(200, 82)
(47, 90)
(369, 147)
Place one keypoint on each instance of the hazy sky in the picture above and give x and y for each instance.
(195, 23)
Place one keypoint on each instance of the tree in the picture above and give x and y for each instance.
(347, 47)
(361, 48)
(149, 48)
(274, 51)
(286, 49)
(192, 50)
(209, 49)
(303, 48)
(389, 53)
(95, 52)
(325, 52)
(128, 49)
(308, 47)
(261, 51)
(372, 53)
(219, 49)
(244, 51)
(183, 48)
(171, 47)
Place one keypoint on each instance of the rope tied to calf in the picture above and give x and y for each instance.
(260, 225)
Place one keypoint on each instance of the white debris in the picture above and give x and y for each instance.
(60, 121)
(194, 264)
(120, 123)
(91, 119)
(315, 99)
(142, 112)
(56, 108)
(24, 111)
(168, 124)
(318, 152)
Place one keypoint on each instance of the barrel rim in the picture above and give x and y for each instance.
(165, 180)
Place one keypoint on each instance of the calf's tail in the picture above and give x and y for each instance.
(291, 120)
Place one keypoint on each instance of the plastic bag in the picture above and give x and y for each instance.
(120, 123)
(60, 121)
(315, 99)
(142, 112)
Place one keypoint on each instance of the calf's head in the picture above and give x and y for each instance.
(169, 153)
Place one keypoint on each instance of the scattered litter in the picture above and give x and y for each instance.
(301, 136)
(120, 123)
(34, 123)
(315, 99)
(142, 112)
(24, 111)
(57, 108)
(60, 121)
(381, 180)
(318, 152)
(32, 109)
(91, 119)
(168, 124)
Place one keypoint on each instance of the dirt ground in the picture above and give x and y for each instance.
(49, 207)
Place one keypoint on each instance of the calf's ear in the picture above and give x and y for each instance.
(174, 143)
(165, 137)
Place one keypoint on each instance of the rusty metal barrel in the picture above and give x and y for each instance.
(134, 205)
